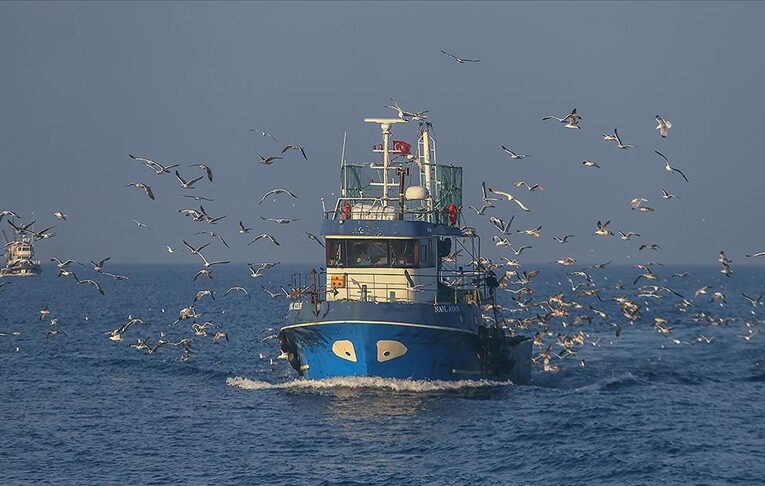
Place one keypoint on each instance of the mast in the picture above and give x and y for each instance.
(385, 124)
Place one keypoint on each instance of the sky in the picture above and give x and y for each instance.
(85, 84)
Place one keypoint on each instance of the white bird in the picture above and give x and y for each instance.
(143, 186)
(663, 126)
(533, 232)
(65, 263)
(486, 205)
(628, 235)
(510, 197)
(187, 184)
(93, 283)
(514, 155)
(602, 229)
(238, 289)
(758, 254)
(268, 160)
(590, 163)
(501, 225)
(297, 148)
(264, 133)
(60, 215)
(460, 60)
(314, 238)
(276, 192)
(280, 220)
(609, 137)
(170, 249)
(571, 120)
(520, 250)
(619, 143)
(206, 169)
(669, 168)
(209, 264)
(666, 195)
(7, 212)
(243, 229)
(264, 235)
(204, 293)
(564, 239)
(531, 188)
(195, 251)
(220, 335)
(99, 265)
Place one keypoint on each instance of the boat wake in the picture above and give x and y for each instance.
(365, 382)
(613, 382)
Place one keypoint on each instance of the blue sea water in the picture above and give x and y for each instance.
(81, 409)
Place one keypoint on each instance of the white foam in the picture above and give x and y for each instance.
(364, 382)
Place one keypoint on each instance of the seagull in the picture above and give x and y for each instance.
(564, 239)
(619, 143)
(479, 212)
(666, 195)
(663, 126)
(669, 168)
(602, 229)
(650, 246)
(265, 134)
(274, 295)
(314, 238)
(242, 229)
(209, 264)
(280, 220)
(628, 235)
(60, 215)
(238, 289)
(724, 258)
(170, 249)
(115, 277)
(268, 160)
(407, 115)
(276, 192)
(571, 120)
(65, 263)
(568, 261)
(202, 294)
(601, 266)
(93, 283)
(204, 272)
(530, 188)
(501, 225)
(201, 329)
(143, 186)
(198, 198)
(7, 212)
(513, 155)
(206, 170)
(501, 241)
(187, 184)
(213, 235)
(533, 232)
(154, 165)
(609, 137)
(510, 197)
(259, 272)
(220, 335)
(55, 332)
(195, 251)
(63, 272)
(264, 235)
(758, 254)
(755, 302)
(295, 147)
(520, 250)
(99, 266)
(459, 60)
(590, 163)
(44, 235)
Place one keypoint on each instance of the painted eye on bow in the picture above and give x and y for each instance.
(344, 349)
(388, 350)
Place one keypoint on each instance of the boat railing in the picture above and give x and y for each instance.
(447, 287)
(382, 209)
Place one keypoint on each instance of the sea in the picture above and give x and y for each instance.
(638, 408)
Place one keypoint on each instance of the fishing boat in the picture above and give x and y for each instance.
(19, 258)
(404, 285)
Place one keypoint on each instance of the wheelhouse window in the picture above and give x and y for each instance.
(378, 253)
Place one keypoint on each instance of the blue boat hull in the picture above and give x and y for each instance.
(432, 343)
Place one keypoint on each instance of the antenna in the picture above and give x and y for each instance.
(385, 124)
(342, 166)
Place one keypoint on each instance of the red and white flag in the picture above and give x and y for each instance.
(402, 147)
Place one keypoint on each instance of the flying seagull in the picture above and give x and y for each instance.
(198, 198)
(514, 155)
(268, 160)
(571, 120)
(459, 60)
(206, 170)
(276, 192)
(758, 254)
(295, 147)
(264, 133)
(267, 236)
(619, 143)
(314, 238)
(509, 197)
(143, 186)
(663, 126)
(187, 184)
(668, 167)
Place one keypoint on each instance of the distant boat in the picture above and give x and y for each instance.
(19, 262)
(394, 300)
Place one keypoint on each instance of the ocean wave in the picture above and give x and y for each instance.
(392, 384)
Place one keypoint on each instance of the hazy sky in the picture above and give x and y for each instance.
(84, 84)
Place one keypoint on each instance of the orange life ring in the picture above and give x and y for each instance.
(453, 212)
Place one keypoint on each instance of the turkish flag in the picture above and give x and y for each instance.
(402, 147)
